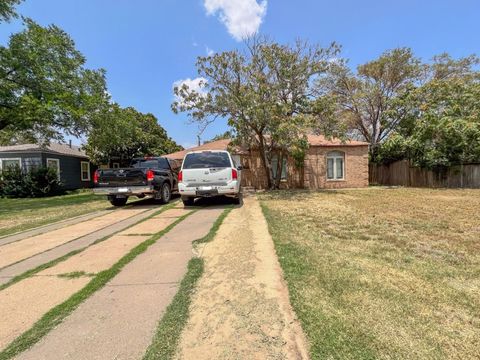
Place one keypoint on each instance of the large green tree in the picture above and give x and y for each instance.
(442, 125)
(45, 90)
(7, 9)
(266, 94)
(367, 99)
(124, 133)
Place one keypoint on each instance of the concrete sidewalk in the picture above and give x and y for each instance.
(119, 321)
(115, 224)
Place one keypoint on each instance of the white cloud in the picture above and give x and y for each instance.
(241, 17)
(197, 85)
(209, 51)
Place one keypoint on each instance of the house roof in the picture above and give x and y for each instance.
(320, 140)
(314, 140)
(52, 148)
(214, 145)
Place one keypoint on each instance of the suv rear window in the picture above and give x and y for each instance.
(206, 160)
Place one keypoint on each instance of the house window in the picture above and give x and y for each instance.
(54, 164)
(284, 167)
(85, 170)
(335, 165)
(10, 163)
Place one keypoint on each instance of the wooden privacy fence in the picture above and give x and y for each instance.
(401, 173)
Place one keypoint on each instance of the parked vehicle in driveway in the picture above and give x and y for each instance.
(209, 173)
(149, 176)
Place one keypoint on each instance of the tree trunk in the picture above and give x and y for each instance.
(263, 157)
(278, 177)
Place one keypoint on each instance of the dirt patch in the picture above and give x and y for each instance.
(241, 308)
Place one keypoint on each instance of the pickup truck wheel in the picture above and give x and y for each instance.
(188, 201)
(118, 201)
(165, 193)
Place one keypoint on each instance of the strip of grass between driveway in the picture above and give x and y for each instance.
(54, 262)
(56, 315)
(216, 225)
(173, 322)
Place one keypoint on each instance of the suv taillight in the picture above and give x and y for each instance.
(234, 174)
(96, 175)
(180, 176)
(150, 175)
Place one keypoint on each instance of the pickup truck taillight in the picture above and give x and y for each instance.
(150, 175)
(96, 175)
(234, 174)
(180, 176)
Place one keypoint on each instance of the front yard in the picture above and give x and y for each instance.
(23, 214)
(382, 273)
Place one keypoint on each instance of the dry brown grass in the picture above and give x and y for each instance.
(382, 273)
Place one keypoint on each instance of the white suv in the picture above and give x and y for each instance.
(209, 173)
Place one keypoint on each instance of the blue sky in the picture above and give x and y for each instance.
(147, 45)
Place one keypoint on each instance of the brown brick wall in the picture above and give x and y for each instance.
(356, 168)
(314, 172)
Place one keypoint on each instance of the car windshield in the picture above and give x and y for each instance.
(144, 163)
(206, 159)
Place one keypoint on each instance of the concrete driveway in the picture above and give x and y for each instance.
(131, 303)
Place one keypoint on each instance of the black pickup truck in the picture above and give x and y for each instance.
(150, 176)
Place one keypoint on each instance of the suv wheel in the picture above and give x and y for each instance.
(165, 193)
(118, 201)
(237, 200)
(188, 201)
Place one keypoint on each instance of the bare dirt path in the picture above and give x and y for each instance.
(119, 321)
(241, 308)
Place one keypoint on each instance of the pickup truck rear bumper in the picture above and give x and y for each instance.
(123, 190)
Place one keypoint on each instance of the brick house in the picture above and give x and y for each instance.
(329, 164)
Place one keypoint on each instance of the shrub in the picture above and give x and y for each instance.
(38, 182)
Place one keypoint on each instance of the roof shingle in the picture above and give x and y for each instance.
(57, 148)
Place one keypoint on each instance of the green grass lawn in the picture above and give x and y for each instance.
(382, 273)
(23, 214)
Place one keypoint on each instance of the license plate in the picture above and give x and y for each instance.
(122, 190)
(205, 188)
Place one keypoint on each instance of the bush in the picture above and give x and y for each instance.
(38, 182)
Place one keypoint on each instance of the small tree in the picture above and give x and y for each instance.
(265, 92)
(125, 134)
